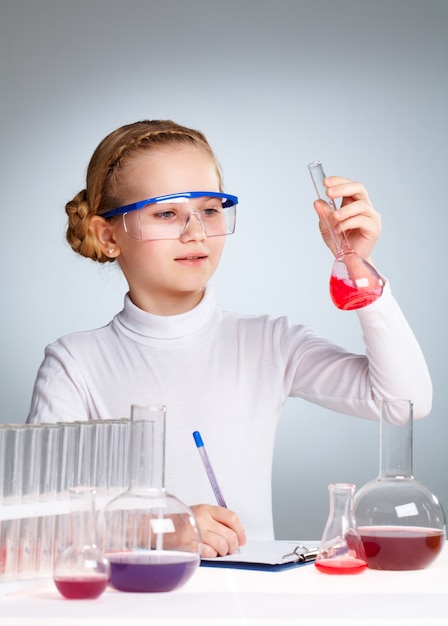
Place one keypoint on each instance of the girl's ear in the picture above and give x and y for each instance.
(103, 233)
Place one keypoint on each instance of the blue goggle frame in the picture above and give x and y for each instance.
(228, 200)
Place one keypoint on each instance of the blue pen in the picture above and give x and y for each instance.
(208, 468)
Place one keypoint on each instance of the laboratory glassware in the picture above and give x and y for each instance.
(341, 550)
(29, 541)
(354, 282)
(401, 522)
(12, 497)
(81, 571)
(151, 538)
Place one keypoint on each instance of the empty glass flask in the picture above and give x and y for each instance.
(401, 522)
(151, 538)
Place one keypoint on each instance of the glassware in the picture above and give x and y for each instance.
(402, 523)
(31, 465)
(47, 494)
(341, 550)
(215, 212)
(12, 497)
(81, 571)
(354, 283)
(151, 539)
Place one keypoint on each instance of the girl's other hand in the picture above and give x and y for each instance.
(221, 530)
(356, 215)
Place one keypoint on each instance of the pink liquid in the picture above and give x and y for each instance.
(151, 572)
(343, 565)
(83, 587)
(401, 547)
(348, 298)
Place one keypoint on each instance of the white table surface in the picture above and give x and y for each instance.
(227, 597)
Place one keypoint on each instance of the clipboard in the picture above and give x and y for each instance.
(269, 556)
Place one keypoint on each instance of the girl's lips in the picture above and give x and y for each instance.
(192, 259)
(194, 256)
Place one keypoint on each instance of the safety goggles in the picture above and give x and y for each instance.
(169, 216)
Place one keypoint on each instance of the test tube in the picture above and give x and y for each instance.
(118, 457)
(12, 495)
(68, 446)
(3, 434)
(3, 431)
(84, 456)
(47, 494)
(101, 440)
(32, 454)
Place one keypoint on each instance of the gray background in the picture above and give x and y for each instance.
(274, 84)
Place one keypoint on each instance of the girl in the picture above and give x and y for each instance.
(154, 202)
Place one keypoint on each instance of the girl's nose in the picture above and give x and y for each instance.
(194, 227)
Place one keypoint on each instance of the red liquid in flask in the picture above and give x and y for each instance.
(401, 547)
(348, 298)
(82, 588)
(347, 565)
(152, 572)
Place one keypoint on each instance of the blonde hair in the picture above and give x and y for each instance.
(102, 181)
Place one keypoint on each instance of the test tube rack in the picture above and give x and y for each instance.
(39, 464)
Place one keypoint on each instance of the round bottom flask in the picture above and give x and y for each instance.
(81, 572)
(401, 522)
(151, 538)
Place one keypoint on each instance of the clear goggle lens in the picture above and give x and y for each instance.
(169, 217)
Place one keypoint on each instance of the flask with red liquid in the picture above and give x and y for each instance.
(151, 538)
(354, 283)
(81, 572)
(401, 522)
(341, 550)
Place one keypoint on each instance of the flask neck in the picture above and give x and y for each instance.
(396, 439)
(82, 516)
(148, 449)
(341, 504)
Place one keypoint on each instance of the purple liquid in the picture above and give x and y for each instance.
(82, 587)
(153, 571)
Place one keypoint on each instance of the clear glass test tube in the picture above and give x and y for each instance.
(84, 456)
(47, 495)
(3, 433)
(68, 446)
(101, 441)
(12, 496)
(32, 456)
(118, 457)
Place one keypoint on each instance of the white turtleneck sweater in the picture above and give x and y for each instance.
(227, 376)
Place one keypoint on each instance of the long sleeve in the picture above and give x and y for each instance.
(393, 366)
(397, 367)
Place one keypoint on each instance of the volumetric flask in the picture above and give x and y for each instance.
(151, 538)
(81, 571)
(354, 283)
(341, 550)
(402, 523)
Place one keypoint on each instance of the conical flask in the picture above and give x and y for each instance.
(354, 283)
(151, 538)
(401, 522)
(81, 570)
(341, 550)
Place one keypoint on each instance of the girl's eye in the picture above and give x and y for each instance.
(164, 215)
(211, 211)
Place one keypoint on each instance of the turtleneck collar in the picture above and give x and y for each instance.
(161, 330)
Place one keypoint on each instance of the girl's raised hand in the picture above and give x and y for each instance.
(356, 215)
